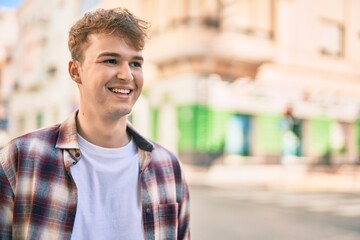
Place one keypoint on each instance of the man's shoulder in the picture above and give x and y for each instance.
(47, 134)
(35, 144)
(161, 154)
(162, 151)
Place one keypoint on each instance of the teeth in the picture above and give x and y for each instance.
(119, 90)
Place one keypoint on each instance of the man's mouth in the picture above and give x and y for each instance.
(120, 90)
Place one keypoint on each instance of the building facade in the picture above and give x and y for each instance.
(41, 91)
(8, 25)
(231, 71)
(267, 81)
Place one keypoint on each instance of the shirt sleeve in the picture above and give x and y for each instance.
(184, 212)
(6, 202)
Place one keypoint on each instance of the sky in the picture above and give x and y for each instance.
(10, 3)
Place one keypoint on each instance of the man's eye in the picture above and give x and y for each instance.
(135, 64)
(111, 61)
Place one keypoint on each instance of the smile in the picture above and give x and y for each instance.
(120, 90)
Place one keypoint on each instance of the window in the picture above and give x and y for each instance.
(181, 12)
(331, 38)
(150, 14)
(164, 14)
(210, 13)
(251, 17)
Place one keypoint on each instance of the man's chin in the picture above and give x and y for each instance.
(116, 115)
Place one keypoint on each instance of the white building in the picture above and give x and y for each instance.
(8, 26)
(42, 93)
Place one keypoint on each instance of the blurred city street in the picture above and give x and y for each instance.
(236, 214)
(293, 178)
(248, 205)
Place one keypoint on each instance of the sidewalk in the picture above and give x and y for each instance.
(345, 179)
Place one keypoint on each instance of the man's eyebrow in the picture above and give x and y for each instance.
(114, 54)
(140, 58)
(109, 54)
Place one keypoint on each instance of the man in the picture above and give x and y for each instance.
(93, 176)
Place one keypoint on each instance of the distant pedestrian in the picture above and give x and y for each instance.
(94, 176)
(290, 138)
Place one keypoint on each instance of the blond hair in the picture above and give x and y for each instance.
(116, 21)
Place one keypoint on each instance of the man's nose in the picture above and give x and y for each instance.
(125, 72)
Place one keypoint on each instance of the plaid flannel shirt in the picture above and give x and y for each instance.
(38, 196)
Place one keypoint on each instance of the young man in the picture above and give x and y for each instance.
(93, 176)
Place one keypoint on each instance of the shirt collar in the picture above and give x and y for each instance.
(67, 138)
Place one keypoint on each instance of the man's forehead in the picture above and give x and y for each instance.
(111, 45)
(104, 39)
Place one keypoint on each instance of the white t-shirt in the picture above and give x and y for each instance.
(109, 205)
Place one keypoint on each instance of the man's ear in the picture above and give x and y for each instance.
(74, 69)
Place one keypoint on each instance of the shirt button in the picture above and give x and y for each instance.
(77, 155)
(74, 162)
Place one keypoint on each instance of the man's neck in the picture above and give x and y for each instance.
(109, 134)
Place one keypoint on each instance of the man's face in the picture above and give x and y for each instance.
(110, 76)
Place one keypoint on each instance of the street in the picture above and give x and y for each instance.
(228, 214)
